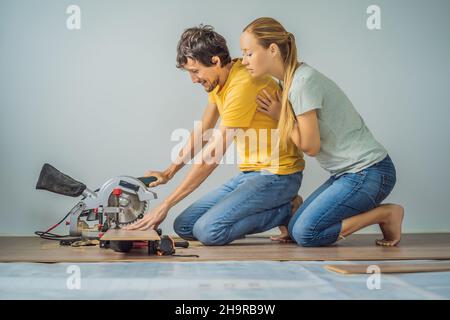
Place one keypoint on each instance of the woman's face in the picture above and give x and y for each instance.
(256, 58)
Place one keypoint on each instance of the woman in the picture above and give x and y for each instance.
(318, 117)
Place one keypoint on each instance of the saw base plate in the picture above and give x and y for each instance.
(130, 235)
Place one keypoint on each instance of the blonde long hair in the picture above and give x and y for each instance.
(268, 31)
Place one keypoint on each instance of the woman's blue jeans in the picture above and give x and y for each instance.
(318, 221)
(250, 202)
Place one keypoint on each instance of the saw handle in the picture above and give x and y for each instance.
(181, 244)
(147, 180)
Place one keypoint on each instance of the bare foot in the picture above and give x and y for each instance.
(284, 234)
(296, 203)
(392, 227)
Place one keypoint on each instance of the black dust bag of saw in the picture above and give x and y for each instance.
(55, 181)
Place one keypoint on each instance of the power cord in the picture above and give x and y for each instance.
(64, 239)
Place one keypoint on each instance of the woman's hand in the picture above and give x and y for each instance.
(150, 220)
(161, 178)
(269, 105)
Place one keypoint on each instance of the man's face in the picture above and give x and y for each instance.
(208, 77)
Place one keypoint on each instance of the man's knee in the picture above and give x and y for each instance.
(183, 227)
(178, 224)
(209, 235)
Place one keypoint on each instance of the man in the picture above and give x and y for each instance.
(261, 196)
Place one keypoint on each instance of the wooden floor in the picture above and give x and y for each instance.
(357, 247)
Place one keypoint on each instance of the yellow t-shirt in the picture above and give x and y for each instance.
(257, 136)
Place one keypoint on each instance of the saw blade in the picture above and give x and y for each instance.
(131, 205)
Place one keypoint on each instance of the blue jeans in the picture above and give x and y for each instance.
(248, 203)
(318, 221)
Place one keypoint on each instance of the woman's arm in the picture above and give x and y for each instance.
(306, 133)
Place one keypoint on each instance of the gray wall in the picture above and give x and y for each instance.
(103, 101)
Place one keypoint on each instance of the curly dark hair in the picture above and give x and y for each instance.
(201, 44)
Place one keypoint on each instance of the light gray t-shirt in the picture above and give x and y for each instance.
(347, 145)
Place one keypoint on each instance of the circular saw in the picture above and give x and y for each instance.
(132, 207)
(119, 201)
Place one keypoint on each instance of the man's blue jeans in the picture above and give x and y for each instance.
(318, 221)
(250, 202)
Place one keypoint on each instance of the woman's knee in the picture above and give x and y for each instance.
(303, 235)
(311, 241)
(306, 235)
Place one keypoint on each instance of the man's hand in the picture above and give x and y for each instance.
(161, 177)
(269, 105)
(150, 220)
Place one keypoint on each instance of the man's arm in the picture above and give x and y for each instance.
(211, 157)
(191, 148)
